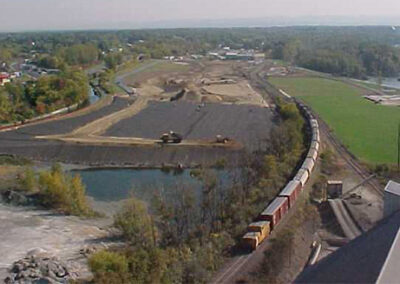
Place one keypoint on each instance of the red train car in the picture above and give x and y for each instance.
(275, 211)
(291, 192)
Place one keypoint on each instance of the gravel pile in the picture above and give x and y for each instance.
(41, 269)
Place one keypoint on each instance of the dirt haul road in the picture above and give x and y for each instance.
(97, 127)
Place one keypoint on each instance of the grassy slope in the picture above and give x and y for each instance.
(368, 130)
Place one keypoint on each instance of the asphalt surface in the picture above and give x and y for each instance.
(249, 125)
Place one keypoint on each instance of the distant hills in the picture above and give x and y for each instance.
(227, 23)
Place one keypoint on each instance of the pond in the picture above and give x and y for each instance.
(117, 184)
(387, 82)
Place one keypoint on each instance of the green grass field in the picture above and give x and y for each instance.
(368, 130)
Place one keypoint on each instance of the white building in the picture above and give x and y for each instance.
(391, 198)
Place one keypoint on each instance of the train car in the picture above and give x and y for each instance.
(315, 135)
(302, 176)
(291, 192)
(309, 114)
(262, 227)
(275, 211)
(308, 165)
(251, 240)
(315, 145)
(312, 154)
(314, 123)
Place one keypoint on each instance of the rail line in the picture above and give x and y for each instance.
(348, 157)
(231, 271)
(234, 267)
(340, 149)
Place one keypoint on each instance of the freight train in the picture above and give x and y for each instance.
(259, 230)
(16, 124)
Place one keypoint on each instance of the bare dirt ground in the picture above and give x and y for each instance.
(205, 81)
(83, 133)
(23, 229)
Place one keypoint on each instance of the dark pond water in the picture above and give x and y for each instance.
(118, 184)
(92, 97)
(387, 82)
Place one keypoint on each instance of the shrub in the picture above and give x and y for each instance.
(109, 267)
(28, 180)
(63, 192)
(135, 223)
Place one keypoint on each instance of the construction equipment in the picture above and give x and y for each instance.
(222, 140)
(171, 137)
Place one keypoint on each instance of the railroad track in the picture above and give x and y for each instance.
(348, 158)
(231, 271)
(267, 89)
(324, 129)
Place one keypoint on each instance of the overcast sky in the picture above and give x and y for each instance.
(89, 14)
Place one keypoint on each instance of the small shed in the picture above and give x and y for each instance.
(275, 211)
(291, 191)
(391, 199)
(334, 188)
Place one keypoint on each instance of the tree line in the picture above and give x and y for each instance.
(23, 100)
(348, 51)
(184, 238)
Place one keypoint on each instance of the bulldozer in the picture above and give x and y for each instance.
(171, 137)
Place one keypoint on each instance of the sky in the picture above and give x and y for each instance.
(18, 15)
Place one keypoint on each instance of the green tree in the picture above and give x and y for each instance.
(109, 267)
(135, 223)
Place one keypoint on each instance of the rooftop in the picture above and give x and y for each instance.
(369, 258)
(393, 187)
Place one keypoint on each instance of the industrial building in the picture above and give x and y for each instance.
(373, 257)
(391, 198)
